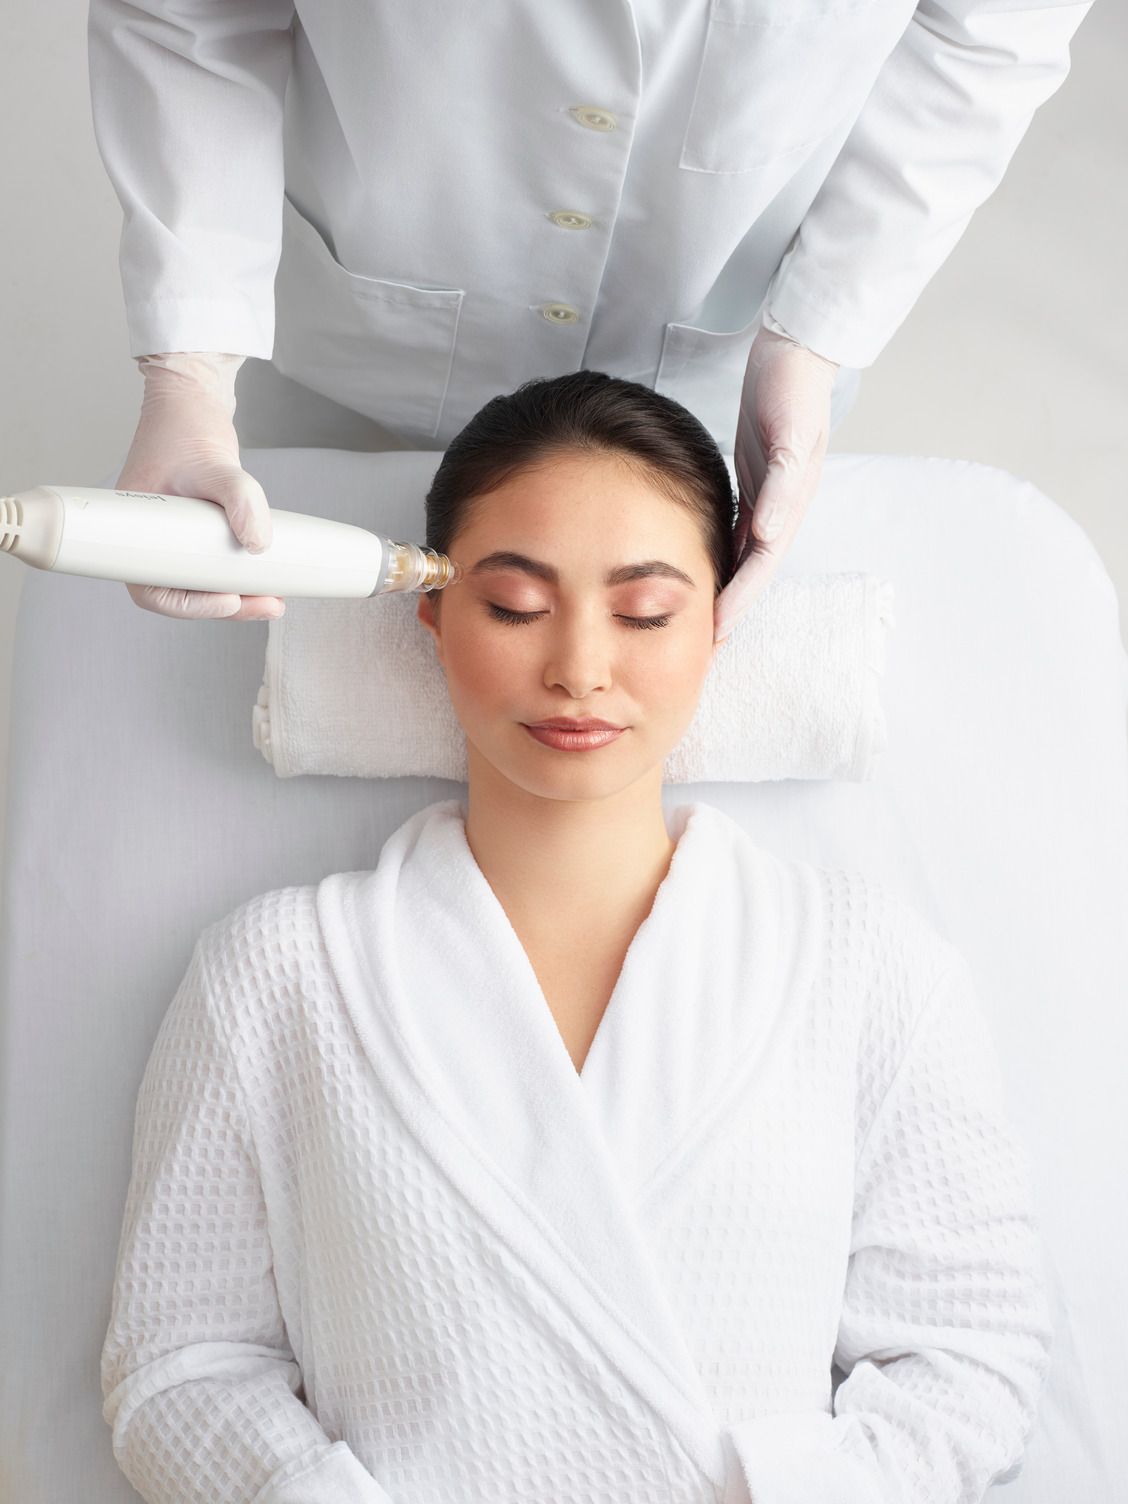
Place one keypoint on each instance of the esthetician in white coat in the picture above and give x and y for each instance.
(458, 197)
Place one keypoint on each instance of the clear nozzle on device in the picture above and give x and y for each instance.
(411, 567)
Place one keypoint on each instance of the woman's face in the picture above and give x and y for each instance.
(579, 646)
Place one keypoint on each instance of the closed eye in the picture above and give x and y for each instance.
(517, 617)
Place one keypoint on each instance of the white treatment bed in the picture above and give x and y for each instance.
(139, 811)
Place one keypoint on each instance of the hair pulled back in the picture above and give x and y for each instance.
(586, 412)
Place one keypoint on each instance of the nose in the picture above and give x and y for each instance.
(580, 653)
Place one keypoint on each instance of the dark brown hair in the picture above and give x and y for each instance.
(590, 412)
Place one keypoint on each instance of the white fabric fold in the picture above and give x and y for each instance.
(355, 688)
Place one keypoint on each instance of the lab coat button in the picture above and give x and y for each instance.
(595, 119)
(569, 221)
(560, 313)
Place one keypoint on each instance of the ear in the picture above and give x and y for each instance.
(424, 611)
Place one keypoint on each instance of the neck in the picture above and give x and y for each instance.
(567, 863)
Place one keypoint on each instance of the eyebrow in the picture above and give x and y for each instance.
(645, 569)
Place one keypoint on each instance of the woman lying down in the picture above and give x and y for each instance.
(561, 1155)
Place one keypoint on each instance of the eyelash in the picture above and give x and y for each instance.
(516, 618)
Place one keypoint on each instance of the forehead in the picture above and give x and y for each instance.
(574, 474)
(593, 506)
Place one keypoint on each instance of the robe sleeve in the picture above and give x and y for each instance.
(199, 1381)
(933, 139)
(945, 1329)
(187, 104)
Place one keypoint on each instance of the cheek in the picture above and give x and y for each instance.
(674, 678)
(481, 664)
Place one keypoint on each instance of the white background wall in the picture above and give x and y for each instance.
(1016, 354)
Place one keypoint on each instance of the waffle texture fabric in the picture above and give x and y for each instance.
(383, 1244)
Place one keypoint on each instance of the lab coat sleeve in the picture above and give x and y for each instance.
(945, 1332)
(942, 121)
(187, 101)
(199, 1381)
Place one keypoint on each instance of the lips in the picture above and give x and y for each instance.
(566, 723)
(575, 735)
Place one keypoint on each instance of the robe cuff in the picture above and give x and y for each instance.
(334, 1475)
(796, 1459)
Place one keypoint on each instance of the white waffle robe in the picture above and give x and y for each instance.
(384, 1243)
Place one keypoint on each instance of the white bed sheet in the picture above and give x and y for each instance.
(139, 811)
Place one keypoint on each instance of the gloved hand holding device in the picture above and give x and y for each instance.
(781, 438)
(186, 445)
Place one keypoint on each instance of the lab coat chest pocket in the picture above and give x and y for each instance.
(775, 78)
(380, 347)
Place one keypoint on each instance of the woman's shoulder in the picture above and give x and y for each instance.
(890, 959)
(256, 931)
(261, 930)
(265, 964)
(867, 926)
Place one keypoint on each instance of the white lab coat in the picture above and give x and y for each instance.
(467, 196)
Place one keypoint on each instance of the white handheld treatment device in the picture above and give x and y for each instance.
(143, 538)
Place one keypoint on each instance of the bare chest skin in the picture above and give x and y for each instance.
(577, 981)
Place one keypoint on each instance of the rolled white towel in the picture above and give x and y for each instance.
(355, 688)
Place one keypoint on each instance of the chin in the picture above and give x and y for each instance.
(575, 776)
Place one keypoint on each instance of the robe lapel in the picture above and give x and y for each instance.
(456, 1026)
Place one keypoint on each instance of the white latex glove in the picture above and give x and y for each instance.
(781, 438)
(186, 445)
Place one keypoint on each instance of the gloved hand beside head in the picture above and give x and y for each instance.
(186, 445)
(781, 439)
